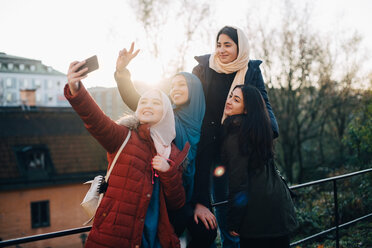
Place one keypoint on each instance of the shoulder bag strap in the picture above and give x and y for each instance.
(117, 155)
(291, 192)
(109, 172)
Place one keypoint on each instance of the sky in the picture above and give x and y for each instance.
(58, 32)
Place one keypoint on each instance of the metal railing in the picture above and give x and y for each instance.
(335, 228)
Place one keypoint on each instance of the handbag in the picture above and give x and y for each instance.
(98, 187)
(291, 192)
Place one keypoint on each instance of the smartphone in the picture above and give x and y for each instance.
(91, 63)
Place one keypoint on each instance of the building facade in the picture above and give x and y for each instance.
(18, 74)
(109, 100)
(46, 155)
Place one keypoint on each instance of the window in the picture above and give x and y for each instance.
(25, 84)
(50, 84)
(34, 161)
(10, 97)
(38, 97)
(9, 83)
(37, 83)
(50, 97)
(10, 66)
(40, 214)
(21, 67)
(32, 67)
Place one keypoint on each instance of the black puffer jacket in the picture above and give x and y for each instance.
(260, 203)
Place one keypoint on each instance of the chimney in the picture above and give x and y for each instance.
(28, 97)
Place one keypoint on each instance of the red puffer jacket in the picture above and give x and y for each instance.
(120, 217)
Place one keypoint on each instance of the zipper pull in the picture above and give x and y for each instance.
(152, 175)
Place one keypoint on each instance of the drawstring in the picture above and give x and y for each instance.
(152, 175)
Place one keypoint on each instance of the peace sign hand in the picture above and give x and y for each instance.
(125, 57)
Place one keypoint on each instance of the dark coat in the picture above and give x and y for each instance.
(209, 145)
(260, 204)
(119, 219)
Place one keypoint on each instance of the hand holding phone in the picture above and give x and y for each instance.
(90, 63)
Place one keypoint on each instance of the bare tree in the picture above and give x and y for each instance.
(178, 21)
(153, 14)
(194, 14)
(307, 96)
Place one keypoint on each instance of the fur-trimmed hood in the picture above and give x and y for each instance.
(130, 121)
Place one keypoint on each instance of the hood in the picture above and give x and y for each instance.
(130, 121)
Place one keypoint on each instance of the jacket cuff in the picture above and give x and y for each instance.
(201, 199)
(233, 220)
(169, 174)
(80, 93)
(122, 74)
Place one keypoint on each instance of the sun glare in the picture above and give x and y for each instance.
(145, 70)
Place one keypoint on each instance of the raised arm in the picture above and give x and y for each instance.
(261, 87)
(126, 88)
(199, 70)
(109, 134)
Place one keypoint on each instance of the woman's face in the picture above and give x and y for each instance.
(150, 108)
(179, 93)
(235, 103)
(227, 49)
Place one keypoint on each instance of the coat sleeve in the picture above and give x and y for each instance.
(171, 182)
(109, 134)
(238, 184)
(261, 87)
(127, 91)
(201, 192)
(200, 69)
(199, 72)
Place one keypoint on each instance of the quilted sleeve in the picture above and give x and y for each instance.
(109, 134)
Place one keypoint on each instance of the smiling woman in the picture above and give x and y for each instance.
(148, 171)
(234, 103)
(227, 49)
(179, 91)
(150, 108)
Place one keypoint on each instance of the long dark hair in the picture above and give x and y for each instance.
(255, 132)
(231, 32)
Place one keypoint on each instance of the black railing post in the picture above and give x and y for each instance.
(336, 212)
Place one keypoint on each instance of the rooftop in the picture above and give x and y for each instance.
(15, 64)
(46, 146)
